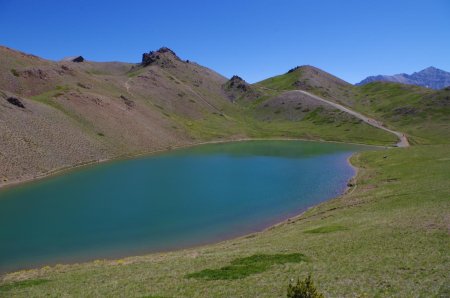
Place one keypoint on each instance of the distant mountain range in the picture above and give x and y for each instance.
(430, 77)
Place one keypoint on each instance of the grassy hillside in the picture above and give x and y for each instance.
(76, 113)
(387, 237)
(423, 114)
(310, 79)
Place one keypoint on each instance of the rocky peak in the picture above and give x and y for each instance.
(237, 82)
(163, 56)
(238, 89)
(74, 59)
(431, 69)
(236, 78)
(166, 50)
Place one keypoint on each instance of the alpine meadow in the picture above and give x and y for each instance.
(165, 178)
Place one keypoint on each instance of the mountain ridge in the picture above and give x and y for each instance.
(430, 77)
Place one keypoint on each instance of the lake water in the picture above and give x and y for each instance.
(166, 201)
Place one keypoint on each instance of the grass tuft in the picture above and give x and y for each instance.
(243, 267)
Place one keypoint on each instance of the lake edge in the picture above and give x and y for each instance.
(82, 165)
(261, 228)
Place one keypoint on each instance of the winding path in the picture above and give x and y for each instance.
(127, 86)
(403, 140)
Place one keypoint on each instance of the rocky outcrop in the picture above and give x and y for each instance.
(238, 83)
(164, 57)
(15, 101)
(430, 77)
(236, 88)
(128, 102)
(77, 59)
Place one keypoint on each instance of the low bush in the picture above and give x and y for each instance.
(304, 289)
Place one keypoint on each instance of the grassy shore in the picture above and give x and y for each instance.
(389, 236)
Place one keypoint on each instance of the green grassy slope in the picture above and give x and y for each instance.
(423, 114)
(387, 237)
(310, 79)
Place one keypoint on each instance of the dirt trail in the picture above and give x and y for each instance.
(403, 140)
(127, 86)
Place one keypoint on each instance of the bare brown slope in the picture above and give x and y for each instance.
(37, 139)
(79, 112)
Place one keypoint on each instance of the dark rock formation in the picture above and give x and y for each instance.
(78, 59)
(293, 69)
(16, 102)
(74, 59)
(236, 88)
(238, 83)
(83, 86)
(430, 77)
(128, 102)
(163, 56)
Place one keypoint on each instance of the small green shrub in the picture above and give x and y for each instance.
(62, 88)
(304, 289)
(15, 72)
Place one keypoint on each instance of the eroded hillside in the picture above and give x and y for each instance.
(80, 112)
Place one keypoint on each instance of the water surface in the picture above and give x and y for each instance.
(176, 199)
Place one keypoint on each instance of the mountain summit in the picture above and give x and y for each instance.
(162, 56)
(430, 77)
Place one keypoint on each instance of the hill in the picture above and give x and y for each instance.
(430, 77)
(424, 114)
(78, 112)
(310, 79)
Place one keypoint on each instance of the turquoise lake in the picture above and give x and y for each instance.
(177, 199)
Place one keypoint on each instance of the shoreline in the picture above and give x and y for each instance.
(348, 190)
(251, 232)
(62, 170)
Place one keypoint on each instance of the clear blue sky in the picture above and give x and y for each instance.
(254, 39)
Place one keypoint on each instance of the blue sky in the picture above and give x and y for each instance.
(254, 39)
